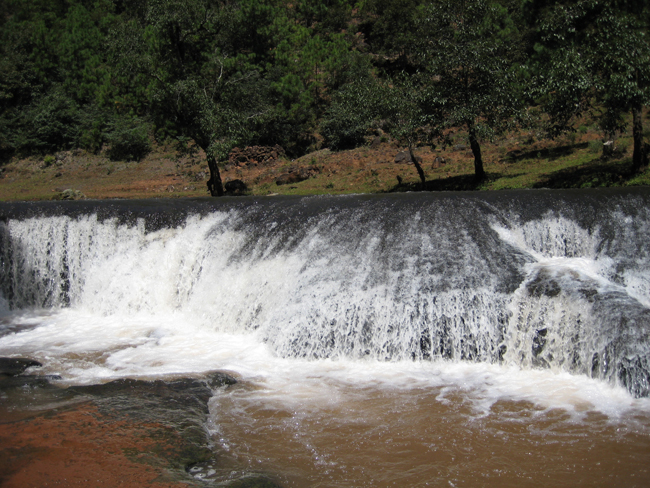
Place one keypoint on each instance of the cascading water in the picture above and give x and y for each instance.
(415, 288)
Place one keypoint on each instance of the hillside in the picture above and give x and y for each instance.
(518, 161)
(96, 83)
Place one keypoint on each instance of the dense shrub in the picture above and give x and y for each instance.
(50, 123)
(128, 140)
(350, 116)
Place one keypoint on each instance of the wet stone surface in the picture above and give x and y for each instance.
(15, 366)
(127, 432)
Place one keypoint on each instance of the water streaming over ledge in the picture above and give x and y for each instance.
(475, 339)
(555, 280)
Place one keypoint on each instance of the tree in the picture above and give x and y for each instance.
(596, 55)
(308, 62)
(198, 86)
(370, 105)
(410, 116)
(469, 50)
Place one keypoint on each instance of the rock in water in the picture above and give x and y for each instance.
(16, 366)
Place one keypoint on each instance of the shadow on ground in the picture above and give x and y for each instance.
(453, 183)
(600, 173)
(596, 174)
(550, 153)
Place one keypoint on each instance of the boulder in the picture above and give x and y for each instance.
(16, 366)
(438, 162)
(236, 187)
(404, 157)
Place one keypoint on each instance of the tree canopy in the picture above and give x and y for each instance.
(213, 74)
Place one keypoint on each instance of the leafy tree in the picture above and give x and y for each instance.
(51, 122)
(356, 108)
(128, 139)
(596, 54)
(307, 64)
(397, 106)
(468, 50)
(199, 86)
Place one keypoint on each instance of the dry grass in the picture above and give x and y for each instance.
(518, 161)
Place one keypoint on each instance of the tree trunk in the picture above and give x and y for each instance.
(418, 167)
(215, 186)
(479, 172)
(639, 157)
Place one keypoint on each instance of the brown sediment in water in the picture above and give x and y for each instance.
(381, 438)
(81, 446)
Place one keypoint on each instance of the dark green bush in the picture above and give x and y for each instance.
(51, 123)
(350, 116)
(128, 140)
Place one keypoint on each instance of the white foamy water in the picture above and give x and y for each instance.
(429, 345)
(84, 348)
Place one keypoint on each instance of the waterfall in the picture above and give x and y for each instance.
(546, 279)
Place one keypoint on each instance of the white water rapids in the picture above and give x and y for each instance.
(416, 342)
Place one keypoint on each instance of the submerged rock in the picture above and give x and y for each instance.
(159, 424)
(16, 366)
(181, 404)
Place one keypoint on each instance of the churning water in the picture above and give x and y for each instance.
(407, 340)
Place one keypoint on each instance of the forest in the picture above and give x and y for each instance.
(311, 74)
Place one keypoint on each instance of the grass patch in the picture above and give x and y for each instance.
(512, 163)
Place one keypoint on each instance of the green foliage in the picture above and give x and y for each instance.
(308, 62)
(389, 25)
(50, 123)
(81, 51)
(595, 53)
(214, 74)
(355, 109)
(128, 139)
(470, 68)
(466, 47)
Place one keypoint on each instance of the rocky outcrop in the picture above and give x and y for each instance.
(255, 155)
(295, 175)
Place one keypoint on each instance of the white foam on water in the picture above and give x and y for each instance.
(189, 300)
(347, 324)
(560, 244)
(84, 348)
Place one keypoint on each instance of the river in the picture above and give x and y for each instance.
(469, 339)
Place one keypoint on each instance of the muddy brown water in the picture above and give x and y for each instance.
(383, 438)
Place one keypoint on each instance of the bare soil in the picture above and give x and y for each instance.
(517, 161)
